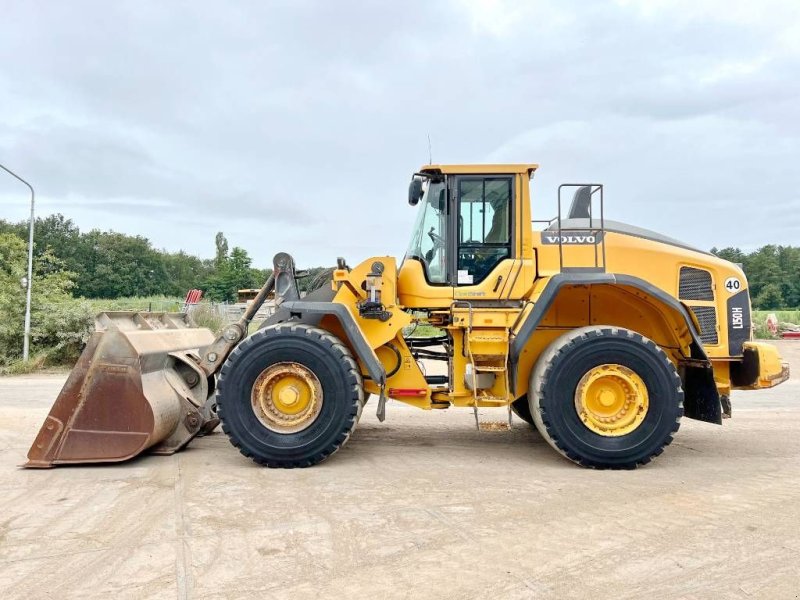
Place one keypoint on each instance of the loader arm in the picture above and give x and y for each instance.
(215, 354)
(283, 282)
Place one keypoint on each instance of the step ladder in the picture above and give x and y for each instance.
(487, 348)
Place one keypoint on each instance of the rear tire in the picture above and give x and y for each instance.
(553, 395)
(313, 350)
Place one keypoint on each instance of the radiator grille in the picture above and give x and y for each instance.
(707, 316)
(695, 284)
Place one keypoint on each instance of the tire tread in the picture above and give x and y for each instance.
(565, 344)
(353, 374)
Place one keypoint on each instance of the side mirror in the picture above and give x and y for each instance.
(415, 190)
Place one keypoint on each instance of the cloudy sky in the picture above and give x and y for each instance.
(296, 125)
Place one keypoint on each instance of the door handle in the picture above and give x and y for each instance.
(497, 283)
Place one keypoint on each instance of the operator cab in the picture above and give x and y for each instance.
(467, 236)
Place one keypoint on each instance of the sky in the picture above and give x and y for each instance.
(295, 126)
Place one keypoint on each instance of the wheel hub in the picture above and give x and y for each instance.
(611, 400)
(286, 397)
(289, 395)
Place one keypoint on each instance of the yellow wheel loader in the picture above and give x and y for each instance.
(600, 334)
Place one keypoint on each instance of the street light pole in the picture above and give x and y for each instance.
(27, 339)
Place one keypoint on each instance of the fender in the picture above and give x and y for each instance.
(701, 398)
(312, 312)
(316, 305)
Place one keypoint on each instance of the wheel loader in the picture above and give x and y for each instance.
(599, 334)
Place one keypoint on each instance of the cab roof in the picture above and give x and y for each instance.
(482, 169)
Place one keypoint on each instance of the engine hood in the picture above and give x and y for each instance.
(623, 228)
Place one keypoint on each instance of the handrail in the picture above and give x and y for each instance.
(594, 188)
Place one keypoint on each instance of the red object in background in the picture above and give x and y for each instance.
(791, 335)
(772, 323)
(192, 298)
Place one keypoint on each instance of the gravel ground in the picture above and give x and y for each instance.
(421, 506)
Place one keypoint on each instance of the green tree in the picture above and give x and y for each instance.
(762, 268)
(18, 229)
(789, 263)
(221, 254)
(769, 298)
(733, 255)
(231, 273)
(60, 236)
(120, 265)
(184, 272)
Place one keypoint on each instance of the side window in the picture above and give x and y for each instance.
(484, 226)
(429, 241)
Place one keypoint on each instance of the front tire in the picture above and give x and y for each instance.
(290, 395)
(606, 397)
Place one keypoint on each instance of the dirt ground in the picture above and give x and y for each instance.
(421, 506)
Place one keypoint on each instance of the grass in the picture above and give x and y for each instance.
(35, 364)
(423, 331)
(38, 363)
(146, 303)
(784, 316)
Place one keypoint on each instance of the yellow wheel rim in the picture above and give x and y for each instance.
(286, 397)
(611, 400)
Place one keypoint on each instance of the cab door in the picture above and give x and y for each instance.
(484, 262)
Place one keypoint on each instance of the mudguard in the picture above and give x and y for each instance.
(701, 397)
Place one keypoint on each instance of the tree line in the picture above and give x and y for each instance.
(773, 273)
(106, 264)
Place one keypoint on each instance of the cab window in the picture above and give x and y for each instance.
(484, 226)
(429, 239)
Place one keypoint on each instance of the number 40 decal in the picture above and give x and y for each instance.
(732, 284)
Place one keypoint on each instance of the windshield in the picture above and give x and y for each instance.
(429, 237)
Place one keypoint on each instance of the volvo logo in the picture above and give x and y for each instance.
(573, 238)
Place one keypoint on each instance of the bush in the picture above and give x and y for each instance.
(205, 315)
(21, 367)
(63, 330)
(770, 297)
(60, 325)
